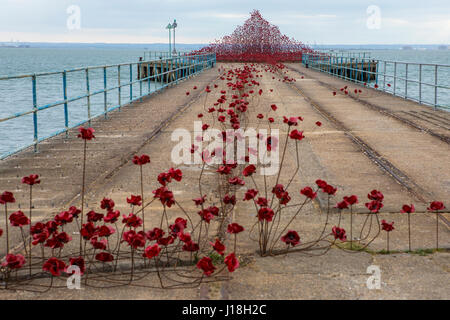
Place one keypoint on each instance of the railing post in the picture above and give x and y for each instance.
(105, 93)
(131, 83)
(140, 79)
(66, 111)
(35, 122)
(420, 83)
(395, 76)
(120, 86)
(435, 85)
(88, 92)
(406, 81)
(148, 79)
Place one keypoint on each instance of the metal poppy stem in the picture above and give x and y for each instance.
(409, 231)
(82, 195)
(388, 242)
(142, 199)
(6, 226)
(31, 222)
(437, 230)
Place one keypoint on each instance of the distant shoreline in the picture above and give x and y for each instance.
(187, 46)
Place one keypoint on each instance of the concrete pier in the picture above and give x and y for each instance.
(368, 140)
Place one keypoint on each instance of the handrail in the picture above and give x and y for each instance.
(172, 70)
(353, 69)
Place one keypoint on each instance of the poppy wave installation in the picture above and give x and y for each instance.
(257, 41)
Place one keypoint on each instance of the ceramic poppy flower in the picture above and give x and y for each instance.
(13, 261)
(342, 205)
(86, 134)
(318, 123)
(250, 194)
(321, 183)
(74, 211)
(309, 193)
(106, 231)
(329, 189)
(291, 121)
(339, 233)
(165, 196)
(227, 199)
(107, 204)
(374, 206)
(206, 215)
(165, 241)
(232, 262)
(164, 178)
(296, 135)
(266, 214)
(99, 244)
(388, 227)
(134, 239)
(93, 216)
(249, 170)
(104, 257)
(199, 201)
(375, 195)
(176, 228)
(63, 218)
(54, 266)
(41, 237)
(134, 200)
(175, 174)
(31, 180)
(188, 93)
(79, 262)
(88, 230)
(236, 181)
(151, 251)
(154, 234)
(112, 216)
(234, 228)
(132, 220)
(141, 160)
(436, 206)
(291, 238)
(351, 200)
(274, 107)
(262, 202)
(7, 197)
(205, 264)
(408, 209)
(18, 219)
(271, 120)
(218, 246)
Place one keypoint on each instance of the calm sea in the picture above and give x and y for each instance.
(16, 95)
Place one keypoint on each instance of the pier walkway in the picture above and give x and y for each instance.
(367, 140)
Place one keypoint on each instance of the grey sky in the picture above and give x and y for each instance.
(201, 21)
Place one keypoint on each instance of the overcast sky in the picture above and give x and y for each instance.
(202, 21)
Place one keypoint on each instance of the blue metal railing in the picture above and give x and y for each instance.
(169, 71)
(424, 83)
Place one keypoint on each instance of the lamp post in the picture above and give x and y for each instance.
(169, 27)
(174, 25)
